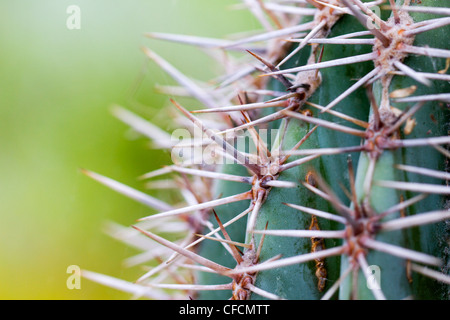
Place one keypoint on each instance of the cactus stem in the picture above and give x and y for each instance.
(374, 225)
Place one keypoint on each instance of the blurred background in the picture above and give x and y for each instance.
(57, 87)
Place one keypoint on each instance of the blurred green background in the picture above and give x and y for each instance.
(57, 87)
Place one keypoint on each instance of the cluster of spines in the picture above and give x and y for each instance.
(392, 42)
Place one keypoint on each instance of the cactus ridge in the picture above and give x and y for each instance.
(236, 202)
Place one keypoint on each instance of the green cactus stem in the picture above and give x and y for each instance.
(323, 169)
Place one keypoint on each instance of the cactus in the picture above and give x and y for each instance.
(316, 168)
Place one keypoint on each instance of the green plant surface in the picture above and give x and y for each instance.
(339, 200)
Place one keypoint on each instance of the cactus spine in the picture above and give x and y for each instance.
(345, 194)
